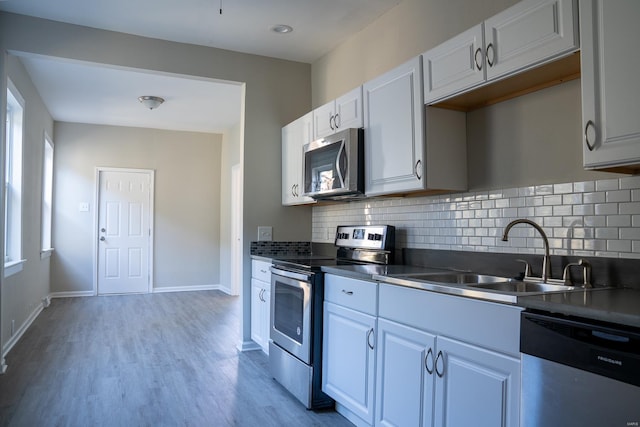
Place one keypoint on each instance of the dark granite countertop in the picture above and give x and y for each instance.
(615, 305)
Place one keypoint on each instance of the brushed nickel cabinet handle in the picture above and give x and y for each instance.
(475, 58)
(426, 361)
(440, 356)
(586, 136)
(347, 292)
(336, 121)
(369, 338)
(492, 60)
(332, 122)
(417, 170)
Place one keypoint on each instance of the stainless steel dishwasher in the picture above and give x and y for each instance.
(578, 372)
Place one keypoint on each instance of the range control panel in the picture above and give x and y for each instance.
(380, 237)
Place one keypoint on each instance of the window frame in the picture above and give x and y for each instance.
(48, 153)
(13, 180)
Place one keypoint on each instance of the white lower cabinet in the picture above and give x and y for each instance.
(260, 307)
(397, 356)
(348, 363)
(261, 303)
(348, 351)
(431, 370)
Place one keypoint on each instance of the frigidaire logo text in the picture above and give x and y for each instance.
(610, 360)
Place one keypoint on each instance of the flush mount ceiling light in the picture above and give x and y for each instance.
(151, 102)
(281, 29)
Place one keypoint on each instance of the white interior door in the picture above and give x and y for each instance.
(124, 231)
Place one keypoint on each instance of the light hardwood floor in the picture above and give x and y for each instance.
(145, 360)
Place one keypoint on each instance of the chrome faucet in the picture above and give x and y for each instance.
(546, 261)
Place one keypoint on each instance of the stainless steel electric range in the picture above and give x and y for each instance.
(297, 294)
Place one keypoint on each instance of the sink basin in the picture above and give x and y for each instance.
(522, 287)
(458, 278)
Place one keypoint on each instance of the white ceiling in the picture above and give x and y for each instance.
(86, 93)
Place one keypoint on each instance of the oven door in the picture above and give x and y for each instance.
(291, 312)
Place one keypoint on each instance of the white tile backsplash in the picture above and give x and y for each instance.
(591, 218)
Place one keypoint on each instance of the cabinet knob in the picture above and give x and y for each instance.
(591, 125)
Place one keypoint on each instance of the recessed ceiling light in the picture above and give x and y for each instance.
(281, 29)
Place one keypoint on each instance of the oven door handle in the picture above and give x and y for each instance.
(292, 273)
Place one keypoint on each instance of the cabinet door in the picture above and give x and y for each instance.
(454, 66)
(259, 332)
(266, 317)
(610, 89)
(294, 136)
(323, 120)
(394, 131)
(348, 359)
(529, 32)
(404, 389)
(348, 110)
(475, 386)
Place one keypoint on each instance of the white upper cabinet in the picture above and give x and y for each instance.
(610, 90)
(397, 158)
(529, 33)
(455, 65)
(294, 136)
(394, 131)
(342, 113)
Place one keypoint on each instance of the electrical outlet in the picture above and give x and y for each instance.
(265, 234)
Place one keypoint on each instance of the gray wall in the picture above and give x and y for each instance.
(22, 293)
(277, 92)
(186, 201)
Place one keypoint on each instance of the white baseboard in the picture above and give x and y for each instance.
(248, 346)
(20, 332)
(71, 294)
(188, 288)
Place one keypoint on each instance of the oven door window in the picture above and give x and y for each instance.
(325, 168)
(288, 315)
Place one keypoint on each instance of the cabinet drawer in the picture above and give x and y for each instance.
(261, 270)
(360, 295)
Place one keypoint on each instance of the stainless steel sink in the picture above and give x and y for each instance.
(482, 286)
(523, 287)
(458, 278)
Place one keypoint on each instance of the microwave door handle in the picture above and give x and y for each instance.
(341, 175)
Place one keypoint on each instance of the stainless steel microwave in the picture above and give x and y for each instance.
(333, 166)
